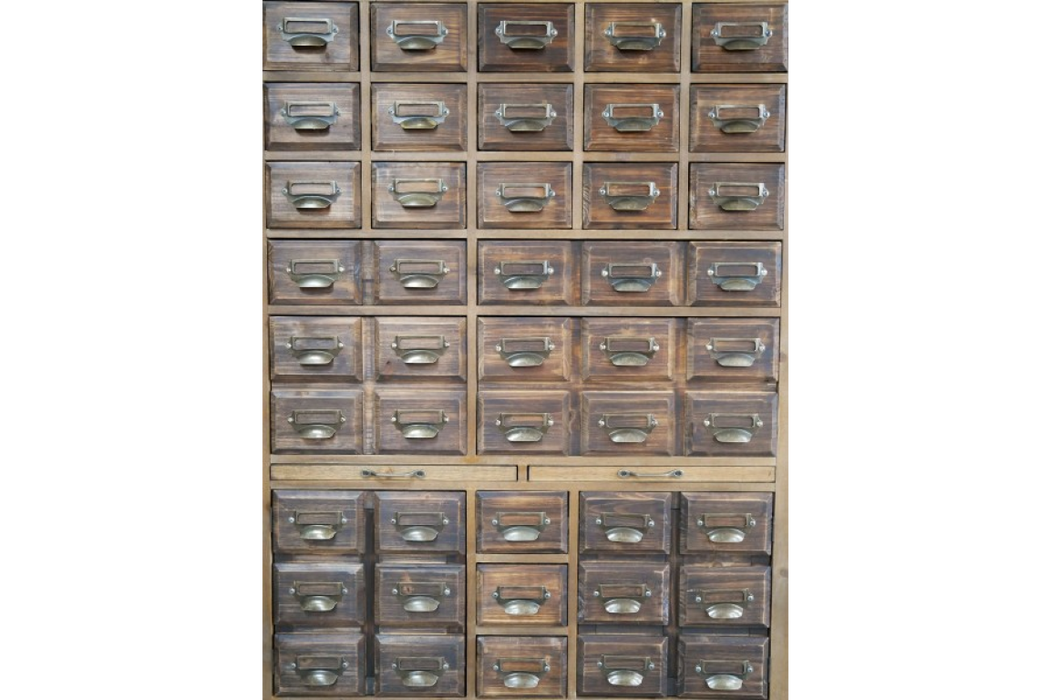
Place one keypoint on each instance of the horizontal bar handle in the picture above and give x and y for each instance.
(732, 428)
(526, 34)
(523, 601)
(417, 35)
(312, 195)
(520, 526)
(314, 274)
(737, 276)
(628, 351)
(420, 423)
(318, 596)
(670, 474)
(738, 196)
(635, 36)
(725, 528)
(741, 36)
(739, 119)
(318, 525)
(417, 193)
(628, 427)
(317, 424)
(524, 196)
(724, 675)
(312, 351)
(524, 274)
(631, 278)
(526, 117)
(524, 427)
(632, 117)
(320, 671)
(628, 528)
(735, 352)
(419, 349)
(629, 196)
(724, 604)
(521, 673)
(422, 596)
(310, 116)
(419, 274)
(424, 115)
(420, 671)
(525, 352)
(413, 474)
(625, 671)
(307, 32)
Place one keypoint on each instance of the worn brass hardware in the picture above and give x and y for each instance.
(310, 116)
(627, 528)
(629, 196)
(735, 352)
(421, 597)
(419, 423)
(628, 427)
(318, 525)
(420, 671)
(320, 671)
(524, 196)
(632, 117)
(724, 604)
(725, 528)
(419, 349)
(311, 351)
(317, 424)
(413, 474)
(417, 193)
(631, 277)
(671, 474)
(741, 36)
(732, 427)
(521, 526)
(521, 600)
(312, 195)
(623, 598)
(635, 36)
(625, 670)
(318, 596)
(527, 274)
(520, 673)
(526, 34)
(525, 352)
(419, 274)
(724, 675)
(536, 117)
(419, 115)
(739, 119)
(737, 276)
(629, 352)
(738, 196)
(314, 274)
(417, 35)
(524, 427)
(307, 32)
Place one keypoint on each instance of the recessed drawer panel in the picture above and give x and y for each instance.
(421, 348)
(524, 422)
(318, 522)
(733, 349)
(314, 272)
(315, 348)
(628, 350)
(419, 117)
(432, 665)
(642, 38)
(736, 196)
(313, 116)
(526, 272)
(522, 594)
(420, 595)
(421, 272)
(737, 118)
(525, 522)
(632, 273)
(532, 38)
(735, 595)
(320, 664)
(622, 665)
(419, 37)
(727, 522)
(419, 195)
(322, 594)
(625, 522)
(421, 421)
(422, 522)
(739, 38)
(316, 421)
(310, 36)
(631, 118)
(313, 195)
(731, 423)
(734, 274)
(525, 195)
(524, 349)
(630, 195)
(523, 117)
(624, 593)
(628, 423)
(534, 667)
(722, 667)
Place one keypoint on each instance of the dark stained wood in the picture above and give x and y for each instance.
(527, 260)
(403, 268)
(399, 513)
(493, 55)
(314, 272)
(740, 103)
(400, 657)
(500, 512)
(519, 584)
(319, 594)
(524, 186)
(511, 361)
(734, 261)
(622, 653)
(706, 180)
(289, 180)
(339, 54)
(601, 54)
(421, 100)
(610, 523)
(625, 262)
(624, 592)
(300, 347)
(719, 348)
(723, 656)
(744, 590)
(719, 421)
(339, 659)
(525, 422)
(426, 349)
(301, 516)
(495, 136)
(434, 418)
(290, 105)
(500, 658)
(427, 595)
(600, 135)
(708, 57)
(450, 54)
(606, 185)
(712, 522)
(629, 415)
(316, 420)
(388, 211)
(635, 351)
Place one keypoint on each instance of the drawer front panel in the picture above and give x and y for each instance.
(632, 273)
(719, 667)
(737, 118)
(421, 272)
(736, 196)
(522, 117)
(526, 522)
(622, 665)
(522, 594)
(316, 421)
(419, 195)
(318, 522)
(419, 117)
(310, 36)
(525, 38)
(419, 37)
(524, 422)
(624, 593)
(628, 423)
(313, 195)
(535, 667)
(734, 274)
(417, 421)
(431, 665)
(625, 523)
(420, 595)
(525, 195)
(726, 424)
(423, 522)
(736, 595)
(631, 118)
(644, 38)
(630, 196)
(733, 350)
(421, 348)
(739, 38)
(727, 522)
(524, 349)
(315, 348)
(313, 116)
(628, 350)
(319, 594)
(314, 272)
(526, 272)
(320, 664)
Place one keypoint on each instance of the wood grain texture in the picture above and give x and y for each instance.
(630, 652)
(287, 180)
(709, 57)
(622, 262)
(705, 514)
(286, 101)
(450, 55)
(443, 587)
(449, 135)
(340, 582)
(630, 179)
(559, 287)
(600, 135)
(414, 651)
(522, 582)
(600, 54)
(714, 416)
(524, 336)
(734, 259)
(297, 342)
(524, 180)
(296, 510)
(632, 351)
(396, 261)
(722, 655)
(450, 211)
(420, 338)
(720, 587)
(495, 136)
(500, 510)
(717, 347)
(604, 584)
(499, 657)
(443, 409)
(736, 179)
(627, 410)
(294, 410)
(336, 260)
(505, 418)
(299, 654)
(393, 507)
(604, 516)
(340, 54)
(556, 57)
(706, 137)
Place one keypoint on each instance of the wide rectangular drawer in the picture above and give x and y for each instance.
(314, 272)
(741, 523)
(625, 592)
(527, 522)
(524, 350)
(419, 117)
(637, 475)
(737, 118)
(635, 37)
(313, 116)
(418, 421)
(315, 36)
(531, 38)
(731, 423)
(736, 196)
(320, 664)
(734, 595)
(631, 118)
(318, 522)
(632, 273)
(734, 274)
(420, 522)
(416, 664)
(722, 667)
(419, 195)
(319, 594)
(627, 423)
(524, 422)
(523, 117)
(526, 272)
(625, 522)
(316, 421)
(420, 595)
(622, 665)
(630, 196)
(419, 37)
(733, 350)
(739, 38)
(522, 594)
(315, 348)
(628, 350)
(421, 348)
(313, 195)
(421, 272)
(534, 667)
(525, 195)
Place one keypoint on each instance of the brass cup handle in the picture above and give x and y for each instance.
(411, 474)
(632, 117)
(525, 352)
(314, 274)
(635, 36)
(629, 428)
(320, 671)
(314, 351)
(741, 36)
(735, 352)
(419, 526)
(521, 526)
(417, 193)
(421, 423)
(311, 195)
(318, 597)
(419, 274)
(670, 474)
(310, 116)
(725, 528)
(419, 349)
(519, 673)
(527, 274)
(524, 196)
(737, 276)
(524, 427)
(420, 672)
(317, 424)
(738, 196)
(307, 32)
(418, 115)
(526, 117)
(526, 34)
(631, 277)
(421, 35)
(739, 119)
(732, 428)
(625, 671)
(318, 525)
(724, 675)
(628, 528)
(724, 604)
(629, 196)
(629, 352)
(422, 597)
(521, 601)
(623, 599)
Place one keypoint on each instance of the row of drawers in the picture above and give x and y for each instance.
(515, 117)
(516, 37)
(722, 196)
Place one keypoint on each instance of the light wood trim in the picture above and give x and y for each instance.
(527, 156)
(508, 310)
(691, 475)
(618, 78)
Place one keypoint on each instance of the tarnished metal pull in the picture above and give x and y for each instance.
(724, 604)
(725, 528)
(524, 196)
(628, 427)
(629, 352)
(318, 596)
(411, 474)
(520, 673)
(312, 351)
(739, 119)
(526, 34)
(627, 528)
(524, 427)
(420, 35)
(632, 117)
(306, 32)
(635, 36)
(629, 196)
(737, 276)
(419, 349)
(741, 36)
(521, 600)
(525, 352)
(420, 671)
(521, 526)
(671, 474)
(421, 597)
(317, 424)
(320, 671)
(318, 525)
(735, 352)
(314, 274)
(738, 196)
(419, 423)
(724, 675)
(535, 117)
(527, 274)
(419, 115)
(312, 195)
(732, 427)
(417, 193)
(419, 274)
(310, 116)
(625, 670)
(623, 598)
(631, 277)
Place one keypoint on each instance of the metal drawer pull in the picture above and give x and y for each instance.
(320, 671)
(724, 604)
(318, 525)
(631, 277)
(312, 195)
(525, 352)
(422, 597)
(623, 598)
(526, 34)
(741, 36)
(312, 351)
(625, 670)
(735, 352)
(632, 117)
(628, 528)
(672, 474)
(724, 675)
(419, 115)
(419, 349)
(635, 36)
(725, 528)
(524, 196)
(737, 276)
(420, 35)
(629, 196)
(413, 474)
(524, 427)
(521, 526)
(732, 427)
(307, 31)
(629, 352)
(527, 274)
(416, 193)
(314, 274)
(628, 427)
(318, 596)
(420, 671)
(521, 600)
(521, 673)
(317, 424)
(526, 117)
(739, 119)
(738, 196)
(419, 274)
(310, 116)
(419, 423)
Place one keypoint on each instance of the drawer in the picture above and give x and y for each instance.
(432, 665)
(517, 594)
(319, 594)
(310, 36)
(734, 595)
(736, 196)
(734, 274)
(737, 118)
(644, 475)
(721, 667)
(318, 522)
(526, 272)
(419, 37)
(534, 667)
(421, 348)
(420, 522)
(524, 422)
(411, 117)
(733, 350)
(316, 421)
(315, 348)
(625, 593)
(526, 522)
(731, 423)
(632, 273)
(530, 38)
(625, 522)
(631, 118)
(421, 272)
(727, 522)
(628, 423)
(525, 195)
(420, 595)
(739, 38)
(522, 117)
(419, 195)
(313, 116)
(313, 195)
(627, 665)
(628, 350)
(630, 196)
(320, 664)
(525, 349)
(314, 272)
(643, 38)
(421, 421)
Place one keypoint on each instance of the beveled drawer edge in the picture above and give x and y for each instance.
(636, 478)
(392, 476)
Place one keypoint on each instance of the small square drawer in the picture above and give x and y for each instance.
(734, 274)
(316, 421)
(530, 38)
(313, 116)
(313, 195)
(419, 195)
(737, 118)
(318, 522)
(623, 523)
(419, 37)
(736, 196)
(628, 350)
(526, 272)
(421, 421)
(524, 422)
(525, 349)
(733, 350)
(739, 38)
(320, 594)
(632, 273)
(522, 594)
(727, 522)
(731, 423)
(627, 665)
(639, 38)
(314, 272)
(420, 595)
(527, 522)
(421, 348)
(720, 667)
(631, 118)
(320, 664)
(310, 36)
(622, 592)
(424, 522)
(419, 117)
(628, 423)
(534, 667)
(523, 117)
(630, 196)
(421, 272)
(525, 195)
(734, 595)
(411, 664)
(315, 348)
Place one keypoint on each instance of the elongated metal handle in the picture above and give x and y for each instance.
(527, 274)
(628, 427)
(307, 32)
(623, 598)
(313, 350)
(524, 427)
(631, 277)
(629, 196)
(671, 474)
(741, 36)
(310, 116)
(526, 117)
(422, 596)
(314, 274)
(632, 117)
(412, 474)
(312, 195)
(318, 596)
(419, 423)
(320, 671)
(628, 528)
(417, 35)
(737, 276)
(724, 675)
(629, 352)
(418, 115)
(521, 673)
(419, 274)
(526, 34)
(420, 671)
(725, 528)
(317, 424)
(318, 525)
(525, 352)
(521, 526)
(732, 427)
(735, 352)
(739, 119)
(419, 349)
(738, 196)
(629, 671)
(523, 601)
(417, 193)
(524, 196)
(635, 36)
(724, 604)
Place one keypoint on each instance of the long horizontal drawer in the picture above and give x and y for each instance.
(389, 476)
